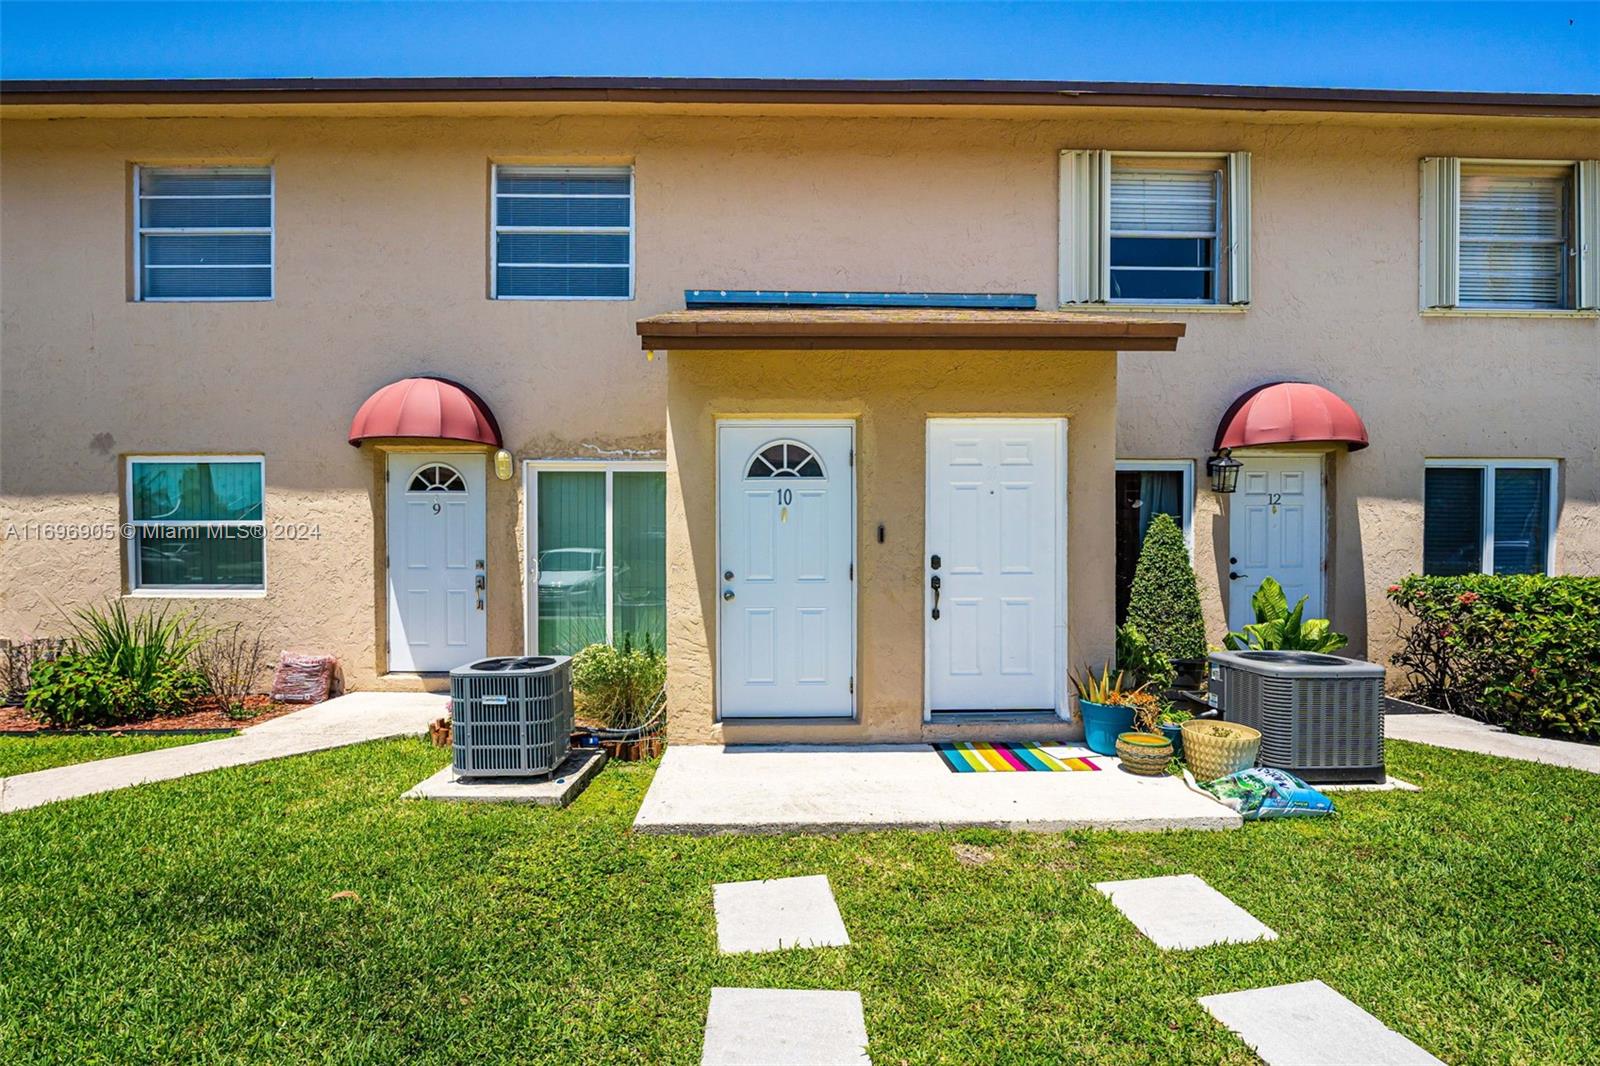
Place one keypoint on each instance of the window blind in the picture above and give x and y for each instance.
(1452, 521)
(1514, 241)
(197, 524)
(204, 233)
(1521, 520)
(1163, 202)
(563, 232)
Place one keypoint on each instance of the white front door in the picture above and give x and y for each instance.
(436, 560)
(996, 539)
(786, 546)
(1276, 530)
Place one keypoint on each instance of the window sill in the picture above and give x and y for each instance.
(1494, 312)
(1160, 309)
(195, 594)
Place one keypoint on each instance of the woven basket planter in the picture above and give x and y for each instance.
(1144, 754)
(1216, 749)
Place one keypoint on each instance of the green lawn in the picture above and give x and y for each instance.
(21, 755)
(192, 921)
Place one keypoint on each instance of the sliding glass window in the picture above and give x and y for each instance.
(597, 552)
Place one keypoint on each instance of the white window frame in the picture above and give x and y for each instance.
(531, 469)
(1439, 261)
(1084, 237)
(140, 231)
(139, 588)
(495, 229)
(1181, 466)
(1486, 532)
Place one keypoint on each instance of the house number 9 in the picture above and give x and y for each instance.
(436, 508)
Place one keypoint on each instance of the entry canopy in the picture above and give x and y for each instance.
(428, 408)
(948, 329)
(1290, 412)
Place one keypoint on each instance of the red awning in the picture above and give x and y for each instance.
(1290, 412)
(429, 408)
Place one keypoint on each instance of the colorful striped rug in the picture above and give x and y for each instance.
(968, 758)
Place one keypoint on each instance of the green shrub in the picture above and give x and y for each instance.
(1520, 651)
(1164, 602)
(1139, 660)
(1277, 628)
(123, 667)
(618, 686)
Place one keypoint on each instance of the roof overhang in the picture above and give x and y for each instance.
(22, 97)
(901, 329)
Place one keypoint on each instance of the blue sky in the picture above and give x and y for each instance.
(1530, 47)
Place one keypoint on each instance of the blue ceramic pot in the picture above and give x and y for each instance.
(1173, 733)
(1101, 724)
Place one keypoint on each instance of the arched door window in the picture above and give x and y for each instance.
(785, 458)
(436, 477)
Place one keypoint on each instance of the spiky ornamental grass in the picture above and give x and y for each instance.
(1164, 603)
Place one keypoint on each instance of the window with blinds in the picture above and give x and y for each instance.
(1164, 226)
(203, 233)
(563, 233)
(1515, 239)
(197, 523)
(1487, 517)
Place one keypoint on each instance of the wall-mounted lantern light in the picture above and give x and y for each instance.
(1223, 470)
(502, 465)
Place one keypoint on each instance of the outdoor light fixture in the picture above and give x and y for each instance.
(502, 465)
(1223, 470)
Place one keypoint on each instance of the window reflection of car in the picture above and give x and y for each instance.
(572, 573)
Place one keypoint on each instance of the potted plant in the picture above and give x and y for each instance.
(1214, 748)
(1164, 604)
(1170, 723)
(1106, 707)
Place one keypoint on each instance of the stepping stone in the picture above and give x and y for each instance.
(790, 912)
(1183, 912)
(784, 1026)
(1309, 1024)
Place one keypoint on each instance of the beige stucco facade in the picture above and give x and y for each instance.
(382, 253)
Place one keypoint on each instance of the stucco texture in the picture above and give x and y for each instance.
(382, 247)
(890, 396)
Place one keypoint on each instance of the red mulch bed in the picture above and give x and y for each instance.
(203, 714)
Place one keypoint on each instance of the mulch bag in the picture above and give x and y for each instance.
(1261, 792)
(303, 678)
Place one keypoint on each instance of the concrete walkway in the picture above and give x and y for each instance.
(705, 789)
(349, 719)
(1467, 734)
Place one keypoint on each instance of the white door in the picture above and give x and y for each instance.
(1275, 530)
(436, 560)
(996, 624)
(786, 545)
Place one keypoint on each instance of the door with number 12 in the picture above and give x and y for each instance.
(786, 547)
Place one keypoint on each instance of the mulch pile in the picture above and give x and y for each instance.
(203, 714)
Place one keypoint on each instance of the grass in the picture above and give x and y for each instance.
(21, 755)
(195, 920)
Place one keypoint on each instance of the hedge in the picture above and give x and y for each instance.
(1519, 651)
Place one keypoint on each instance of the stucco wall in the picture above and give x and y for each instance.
(382, 251)
(890, 396)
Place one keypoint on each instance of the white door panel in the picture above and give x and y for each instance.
(1276, 530)
(436, 556)
(995, 489)
(786, 543)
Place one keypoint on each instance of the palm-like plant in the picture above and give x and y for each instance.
(1277, 628)
(144, 649)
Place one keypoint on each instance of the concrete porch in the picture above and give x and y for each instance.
(707, 789)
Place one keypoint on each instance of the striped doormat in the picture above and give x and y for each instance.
(968, 758)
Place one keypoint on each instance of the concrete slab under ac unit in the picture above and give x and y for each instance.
(784, 1027)
(789, 912)
(1182, 912)
(1310, 1024)
(556, 790)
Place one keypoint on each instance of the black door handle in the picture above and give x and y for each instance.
(1235, 575)
(935, 583)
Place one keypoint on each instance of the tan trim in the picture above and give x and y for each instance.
(741, 91)
(901, 329)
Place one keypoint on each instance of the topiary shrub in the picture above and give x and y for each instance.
(1522, 651)
(1164, 603)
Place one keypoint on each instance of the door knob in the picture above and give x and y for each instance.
(1234, 575)
(935, 584)
(727, 594)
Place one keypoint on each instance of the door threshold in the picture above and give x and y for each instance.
(995, 716)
